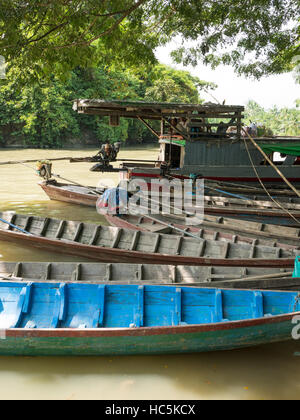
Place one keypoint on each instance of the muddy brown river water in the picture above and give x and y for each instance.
(268, 372)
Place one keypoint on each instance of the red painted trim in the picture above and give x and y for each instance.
(233, 179)
(148, 331)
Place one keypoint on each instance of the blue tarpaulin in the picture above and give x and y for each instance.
(296, 273)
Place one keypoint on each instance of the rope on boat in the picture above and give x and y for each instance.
(170, 225)
(231, 184)
(14, 226)
(79, 185)
(227, 193)
(271, 163)
(264, 187)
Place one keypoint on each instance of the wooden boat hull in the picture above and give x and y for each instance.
(124, 245)
(229, 233)
(59, 192)
(222, 173)
(122, 256)
(175, 340)
(142, 274)
(58, 319)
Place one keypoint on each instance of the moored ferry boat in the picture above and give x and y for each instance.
(205, 141)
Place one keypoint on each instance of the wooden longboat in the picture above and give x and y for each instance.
(60, 319)
(142, 274)
(283, 237)
(250, 210)
(70, 193)
(111, 244)
(290, 235)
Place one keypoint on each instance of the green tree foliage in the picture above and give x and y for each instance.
(169, 85)
(282, 121)
(256, 37)
(41, 114)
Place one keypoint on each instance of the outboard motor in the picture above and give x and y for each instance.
(107, 154)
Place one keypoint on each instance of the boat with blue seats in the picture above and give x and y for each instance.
(72, 319)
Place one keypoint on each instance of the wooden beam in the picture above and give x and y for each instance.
(149, 127)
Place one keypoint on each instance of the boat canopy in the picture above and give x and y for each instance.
(190, 121)
(154, 110)
(284, 148)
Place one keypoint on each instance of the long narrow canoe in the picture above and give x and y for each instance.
(81, 195)
(252, 229)
(232, 231)
(260, 211)
(59, 319)
(200, 276)
(111, 244)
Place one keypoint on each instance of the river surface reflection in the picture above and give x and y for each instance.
(268, 372)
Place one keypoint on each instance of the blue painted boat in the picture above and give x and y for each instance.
(91, 319)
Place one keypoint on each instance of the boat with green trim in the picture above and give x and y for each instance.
(59, 319)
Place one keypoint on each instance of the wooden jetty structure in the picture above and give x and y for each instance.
(72, 319)
(142, 274)
(111, 244)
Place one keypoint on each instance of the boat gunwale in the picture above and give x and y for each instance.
(146, 331)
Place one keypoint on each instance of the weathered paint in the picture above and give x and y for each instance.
(40, 343)
(46, 319)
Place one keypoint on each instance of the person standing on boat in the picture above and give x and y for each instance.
(253, 129)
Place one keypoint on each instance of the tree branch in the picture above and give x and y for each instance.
(108, 31)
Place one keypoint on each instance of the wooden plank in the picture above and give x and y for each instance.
(117, 238)
(226, 250)
(78, 232)
(139, 314)
(108, 276)
(45, 226)
(156, 243)
(178, 307)
(258, 311)
(178, 245)
(23, 304)
(139, 272)
(18, 270)
(201, 248)
(218, 315)
(47, 275)
(95, 235)
(63, 302)
(100, 321)
(60, 229)
(11, 219)
(76, 275)
(28, 223)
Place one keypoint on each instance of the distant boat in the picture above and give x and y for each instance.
(142, 274)
(59, 319)
(111, 244)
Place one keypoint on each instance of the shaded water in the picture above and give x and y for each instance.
(268, 372)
